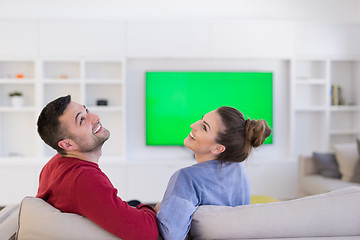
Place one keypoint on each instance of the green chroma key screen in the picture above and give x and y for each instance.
(175, 100)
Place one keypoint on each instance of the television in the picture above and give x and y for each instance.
(175, 100)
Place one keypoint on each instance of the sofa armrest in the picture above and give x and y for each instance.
(8, 221)
(307, 166)
(40, 220)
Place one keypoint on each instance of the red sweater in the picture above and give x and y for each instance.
(76, 186)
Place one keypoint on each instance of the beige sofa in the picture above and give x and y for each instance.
(312, 182)
(333, 215)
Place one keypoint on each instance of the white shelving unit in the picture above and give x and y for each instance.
(41, 81)
(106, 80)
(16, 123)
(344, 119)
(316, 123)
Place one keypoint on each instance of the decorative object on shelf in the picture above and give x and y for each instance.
(337, 95)
(16, 98)
(19, 75)
(101, 102)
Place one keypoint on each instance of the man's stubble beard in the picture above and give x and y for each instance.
(93, 146)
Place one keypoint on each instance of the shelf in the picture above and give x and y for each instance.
(62, 81)
(14, 109)
(104, 81)
(17, 81)
(345, 108)
(310, 81)
(344, 131)
(311, 109)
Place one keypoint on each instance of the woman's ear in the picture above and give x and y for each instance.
(68, 144)
(217, 149)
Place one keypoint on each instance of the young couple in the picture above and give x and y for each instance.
(73, 182)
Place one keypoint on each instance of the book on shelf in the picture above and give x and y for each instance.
(337, 97)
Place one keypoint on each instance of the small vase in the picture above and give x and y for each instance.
(17, 101)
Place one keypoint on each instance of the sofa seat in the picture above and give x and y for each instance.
(317, 184)
(312, 182)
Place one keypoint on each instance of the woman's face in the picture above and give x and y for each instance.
(201, 139)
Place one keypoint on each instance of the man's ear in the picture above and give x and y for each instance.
(68, 144)
(217, 149)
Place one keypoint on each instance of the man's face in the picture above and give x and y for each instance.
(83, 127)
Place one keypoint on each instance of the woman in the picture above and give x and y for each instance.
(221, 140)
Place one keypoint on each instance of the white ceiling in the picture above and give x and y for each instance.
(328, 10)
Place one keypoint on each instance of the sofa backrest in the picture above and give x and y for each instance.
(325, 215)
(331, 214)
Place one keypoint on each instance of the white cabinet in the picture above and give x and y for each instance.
(316, 122)
(327, 39)
(18, 38)
(81, 38)
(173, 40)
(259, 39)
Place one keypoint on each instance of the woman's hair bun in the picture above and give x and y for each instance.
(239, 135)
(256, 131)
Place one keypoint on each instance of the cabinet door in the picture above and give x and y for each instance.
(81, 39)
(18, 38)
(327, 39)
(252, 39)
(167, 40)
(18, 133)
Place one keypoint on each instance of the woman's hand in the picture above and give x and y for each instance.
(157, 207)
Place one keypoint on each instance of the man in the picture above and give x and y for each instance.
(72, 180)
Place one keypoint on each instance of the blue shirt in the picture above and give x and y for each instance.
(206, 183)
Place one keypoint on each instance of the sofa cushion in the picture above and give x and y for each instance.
(40, 220)
(327, 164)
(347, 156)
(329, 214)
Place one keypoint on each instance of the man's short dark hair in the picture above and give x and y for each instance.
(48, 122)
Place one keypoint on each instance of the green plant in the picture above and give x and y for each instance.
(15, 93)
